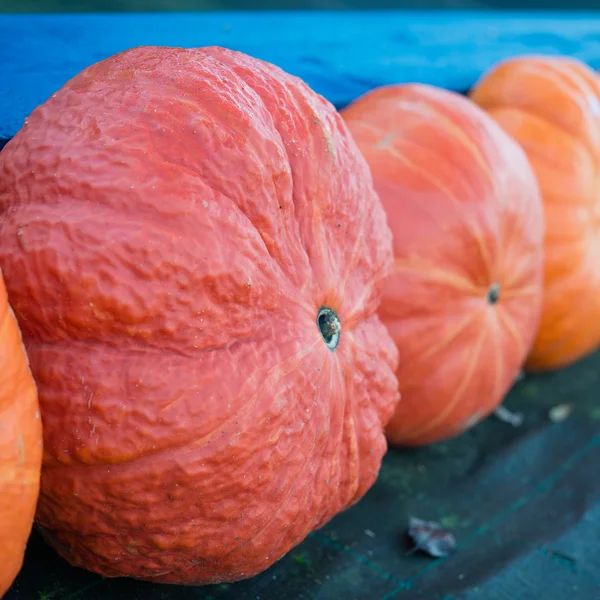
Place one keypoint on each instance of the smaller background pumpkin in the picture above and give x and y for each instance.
(463, 302)
(20, 446)
(551, 106)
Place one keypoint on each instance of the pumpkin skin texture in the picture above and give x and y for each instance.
(175, 224)
(20, 446)
(463, 301)
(551, 107)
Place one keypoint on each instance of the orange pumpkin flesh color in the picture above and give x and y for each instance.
(195, 249)
(20, 446)
(463, 302)
(551, 107)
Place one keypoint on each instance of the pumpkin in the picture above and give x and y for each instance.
(463, 300)
(551, 107)
(196, 252)
(20, 446)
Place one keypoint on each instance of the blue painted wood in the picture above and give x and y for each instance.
(339, 54)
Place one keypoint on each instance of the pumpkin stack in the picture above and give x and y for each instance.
(493, 205)
(215, 274)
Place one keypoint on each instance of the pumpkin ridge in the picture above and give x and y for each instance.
(460, 327)
(588, 266)
(139, 347)
(361, 306)
(491, 107)
(282, 505)
(436, 108)
(316, 247)
(499, 381)
(440, 102)
(358, 244)
(131, 301)
(427, 173)
(549, 68)
(191, 443)
(508, 277)
(358, 345)
(174, 450)
(560, 72)
(222, 192)
(346, 421)
(428, 271)
(508, 321)
(509, 292)
(135, 351)
(337, 473)
(314, 207)
(244, 408)
(466, 221)
(456, 397)
(276, 127)
(440, 346)
(353, 495)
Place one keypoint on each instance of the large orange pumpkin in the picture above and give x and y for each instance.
(551, 106)
(463, 302)
(196, 252)
(20, 445)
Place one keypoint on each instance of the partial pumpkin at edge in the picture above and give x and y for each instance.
(20, 446)
(551, 106)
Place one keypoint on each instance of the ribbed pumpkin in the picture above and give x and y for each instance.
(463, 302)
(551, 107)
(20, 445)
(196, 252)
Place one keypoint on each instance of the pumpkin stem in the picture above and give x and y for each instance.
(493, 294)
(330, 327)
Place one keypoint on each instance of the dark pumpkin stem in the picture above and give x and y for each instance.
(493, 294)
(329, 326)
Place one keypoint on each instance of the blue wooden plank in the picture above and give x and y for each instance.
(339, 54)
